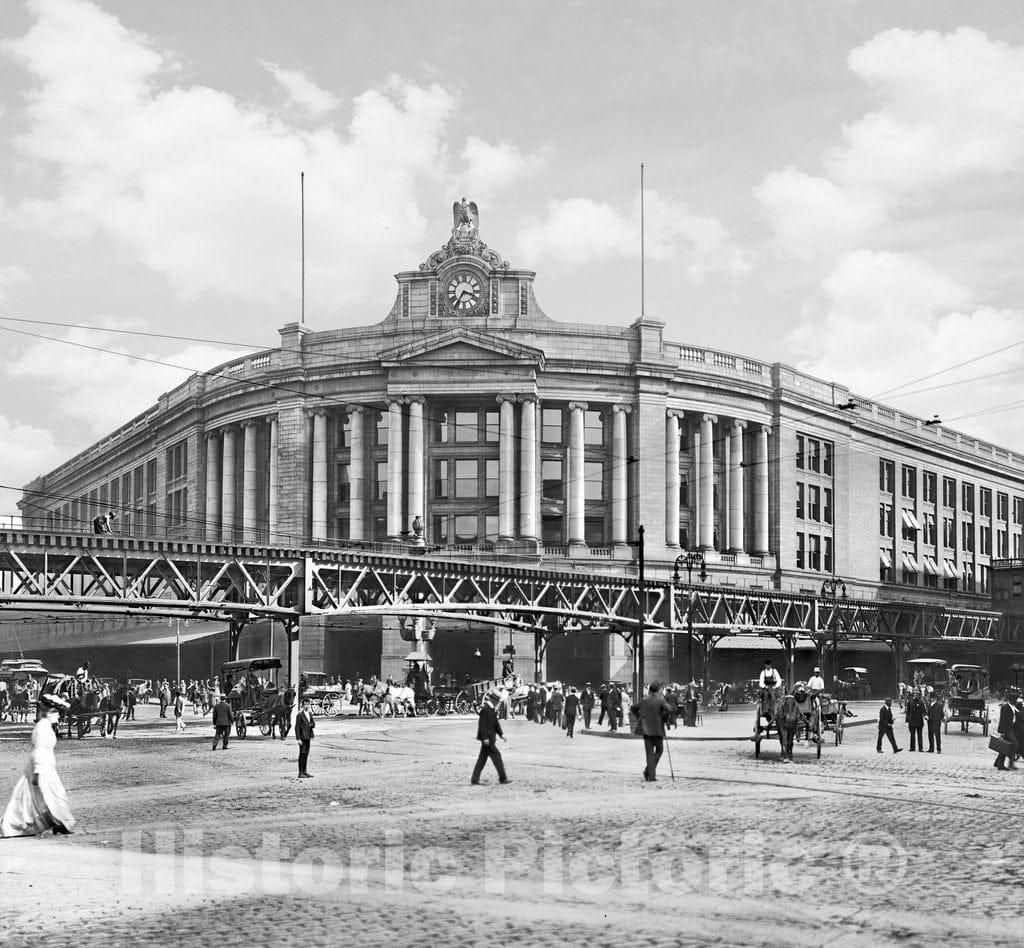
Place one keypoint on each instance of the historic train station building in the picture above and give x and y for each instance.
(470, 419)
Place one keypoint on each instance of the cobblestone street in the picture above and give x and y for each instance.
(181, 845)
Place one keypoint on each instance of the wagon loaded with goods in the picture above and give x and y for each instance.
(253, 694)
(323, 698)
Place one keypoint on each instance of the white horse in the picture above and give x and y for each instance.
(388, 699)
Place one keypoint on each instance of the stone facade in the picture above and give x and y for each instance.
(468, 419)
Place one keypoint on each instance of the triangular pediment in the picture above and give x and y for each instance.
(463, 346)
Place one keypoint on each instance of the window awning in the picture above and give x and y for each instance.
(909, 563)
(966, 571)
(949, 569)
(930, 566)
(910, 521)
(885, 558)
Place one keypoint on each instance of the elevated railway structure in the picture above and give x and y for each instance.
(75, 573)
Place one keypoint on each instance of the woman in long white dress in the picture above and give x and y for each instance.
(39, 802)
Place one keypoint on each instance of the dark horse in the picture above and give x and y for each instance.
(113, 705)
(787, 723)
(105, 706)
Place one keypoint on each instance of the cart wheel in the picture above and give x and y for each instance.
(464, 702)
(265, 728)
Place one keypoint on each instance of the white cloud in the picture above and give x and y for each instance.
(889, 318)
(204, 188)
(491, 169)
(302, 91)
(98, 391)
(10, 279)
(25, 451)
(951, 111)
(580, 230)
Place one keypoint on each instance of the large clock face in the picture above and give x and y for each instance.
(464, 291)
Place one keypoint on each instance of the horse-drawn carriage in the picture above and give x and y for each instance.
(23, 679)
(786, 715)
(254, 697)
(965, 698)
(854, 685)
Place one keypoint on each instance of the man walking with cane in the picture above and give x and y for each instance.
(653, 714)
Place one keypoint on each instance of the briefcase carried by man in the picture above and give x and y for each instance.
(1000, 746)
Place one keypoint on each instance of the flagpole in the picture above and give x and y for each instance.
(642, 259)
(302, 228)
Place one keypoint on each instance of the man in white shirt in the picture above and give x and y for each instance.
(816, 684)
(770, 678)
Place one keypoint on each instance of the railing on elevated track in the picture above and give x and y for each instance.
(45, 571)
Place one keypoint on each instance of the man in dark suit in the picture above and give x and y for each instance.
(916, 712)
(222, 722)
(603, 698)
(614, 707)
(572, 707)
(304, 725)
(587, 704)
(1007, 714)
(488, 730)
(935, 725)
(653, 713)
(885, 720)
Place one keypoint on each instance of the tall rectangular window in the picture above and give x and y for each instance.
(1018, 510)
(814, 552)
(466, 478)
(344, 486)
(441, 427)
(985, 501)
(968, 537)
(466, 427)
(593, 480)
(930, 533)
(928, 487)
(813, 455)
(949, 492)
(967, 497)
(465, 529)
(827, 564)
(382, 430)
(886, 476)
(593, 428)
(813, 502)
(800, 501)
(492, 421)
(826, 461)
(826, 511)
(1002, 507)
(491, 477)
(985, 540)
(381, 470)
(799, 551)
(551, 425)
(886, 520)
(551, 480)
(909, 482)
(949, 533)
(1002, 543)
(441, 480)
(800, 452)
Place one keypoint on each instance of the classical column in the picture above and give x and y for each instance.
(620, 455)
(318, 514)
(761, 433)
(528, 469)
(272, 486)
(248, 482)
(415, 488)
(576, 473)
(672, 477)
(212, 486)
(227, 492)
(395, 468)
(356, 474)
(736, 487)
(506, 467)
(707, 482)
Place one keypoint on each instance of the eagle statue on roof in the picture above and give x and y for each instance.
(466, 218)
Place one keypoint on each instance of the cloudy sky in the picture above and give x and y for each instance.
(833, 185)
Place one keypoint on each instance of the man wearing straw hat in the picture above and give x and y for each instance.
(487, 733)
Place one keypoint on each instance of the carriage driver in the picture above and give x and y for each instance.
(816, 684)
(770, 678)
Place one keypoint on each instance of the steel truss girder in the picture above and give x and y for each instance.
(48, 572)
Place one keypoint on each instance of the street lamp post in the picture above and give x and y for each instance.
(830, 587)
(638, 648)
(689, 561)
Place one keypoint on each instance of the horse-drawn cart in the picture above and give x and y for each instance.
(965, 698)
(252, 692)
(324, 699)
(784, 716)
